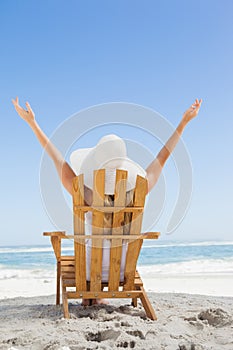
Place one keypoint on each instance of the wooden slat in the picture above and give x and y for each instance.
(80, 266)
(68, 274)
(55, 233)
(102, 295)
(56, 243)
(147, 305)
(108, 209)
(65, 302)
(151, 235)
(58, 283)
(69, 285)
(69, 280)
(67, 258)
(147, 235)
(138, 282)
(143, 235)
(135, 228)
(97, 229)
(79, 248)
(67, 262)
(137, 279)
(117, 229)
(67, 268)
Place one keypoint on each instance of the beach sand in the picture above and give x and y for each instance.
(185, 322)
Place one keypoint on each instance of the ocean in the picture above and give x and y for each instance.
(163, 258)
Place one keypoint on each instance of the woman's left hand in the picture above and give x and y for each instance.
(192, 111)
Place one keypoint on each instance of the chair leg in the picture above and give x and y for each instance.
(147, 305)
(58, 282)
(65, 303)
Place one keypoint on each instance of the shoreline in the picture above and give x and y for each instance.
(209, 285)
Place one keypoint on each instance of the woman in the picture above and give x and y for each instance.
(109, 153)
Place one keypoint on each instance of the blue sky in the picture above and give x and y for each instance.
(65, 56)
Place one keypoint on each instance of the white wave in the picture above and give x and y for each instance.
(193, 267)
(9, 250)
(19, 274)
(147, 244)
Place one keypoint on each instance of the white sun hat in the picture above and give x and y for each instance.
(110, 154)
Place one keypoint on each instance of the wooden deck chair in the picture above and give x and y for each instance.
(71, 270)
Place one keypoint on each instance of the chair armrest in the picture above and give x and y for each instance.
(55, 238)
(82, 237)
(61, 234)
(151, 235)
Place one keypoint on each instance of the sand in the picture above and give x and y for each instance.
(185, 322)
(205, 284)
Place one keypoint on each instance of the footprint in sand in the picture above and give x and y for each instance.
(104, 335)
(215, 317)
(210, 317)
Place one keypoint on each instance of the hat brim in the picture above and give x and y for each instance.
(77, 157)
(83, 162)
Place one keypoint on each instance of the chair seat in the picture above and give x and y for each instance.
(68, 273)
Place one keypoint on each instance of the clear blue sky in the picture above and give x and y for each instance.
(64, 56)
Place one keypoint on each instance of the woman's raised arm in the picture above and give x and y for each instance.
(155, 168)
(65, 172)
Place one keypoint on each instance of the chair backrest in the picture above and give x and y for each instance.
(117, 236)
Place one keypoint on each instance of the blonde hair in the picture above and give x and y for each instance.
(108, 217)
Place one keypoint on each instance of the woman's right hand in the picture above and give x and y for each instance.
(26, 114)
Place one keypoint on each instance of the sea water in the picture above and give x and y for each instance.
(170, 257)
(178, 258)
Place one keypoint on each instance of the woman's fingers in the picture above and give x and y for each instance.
(18, 107)
(13, 101)
(197, 104)
(28, 107)
(16, 101)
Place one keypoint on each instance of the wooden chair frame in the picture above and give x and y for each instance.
(71, 270)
